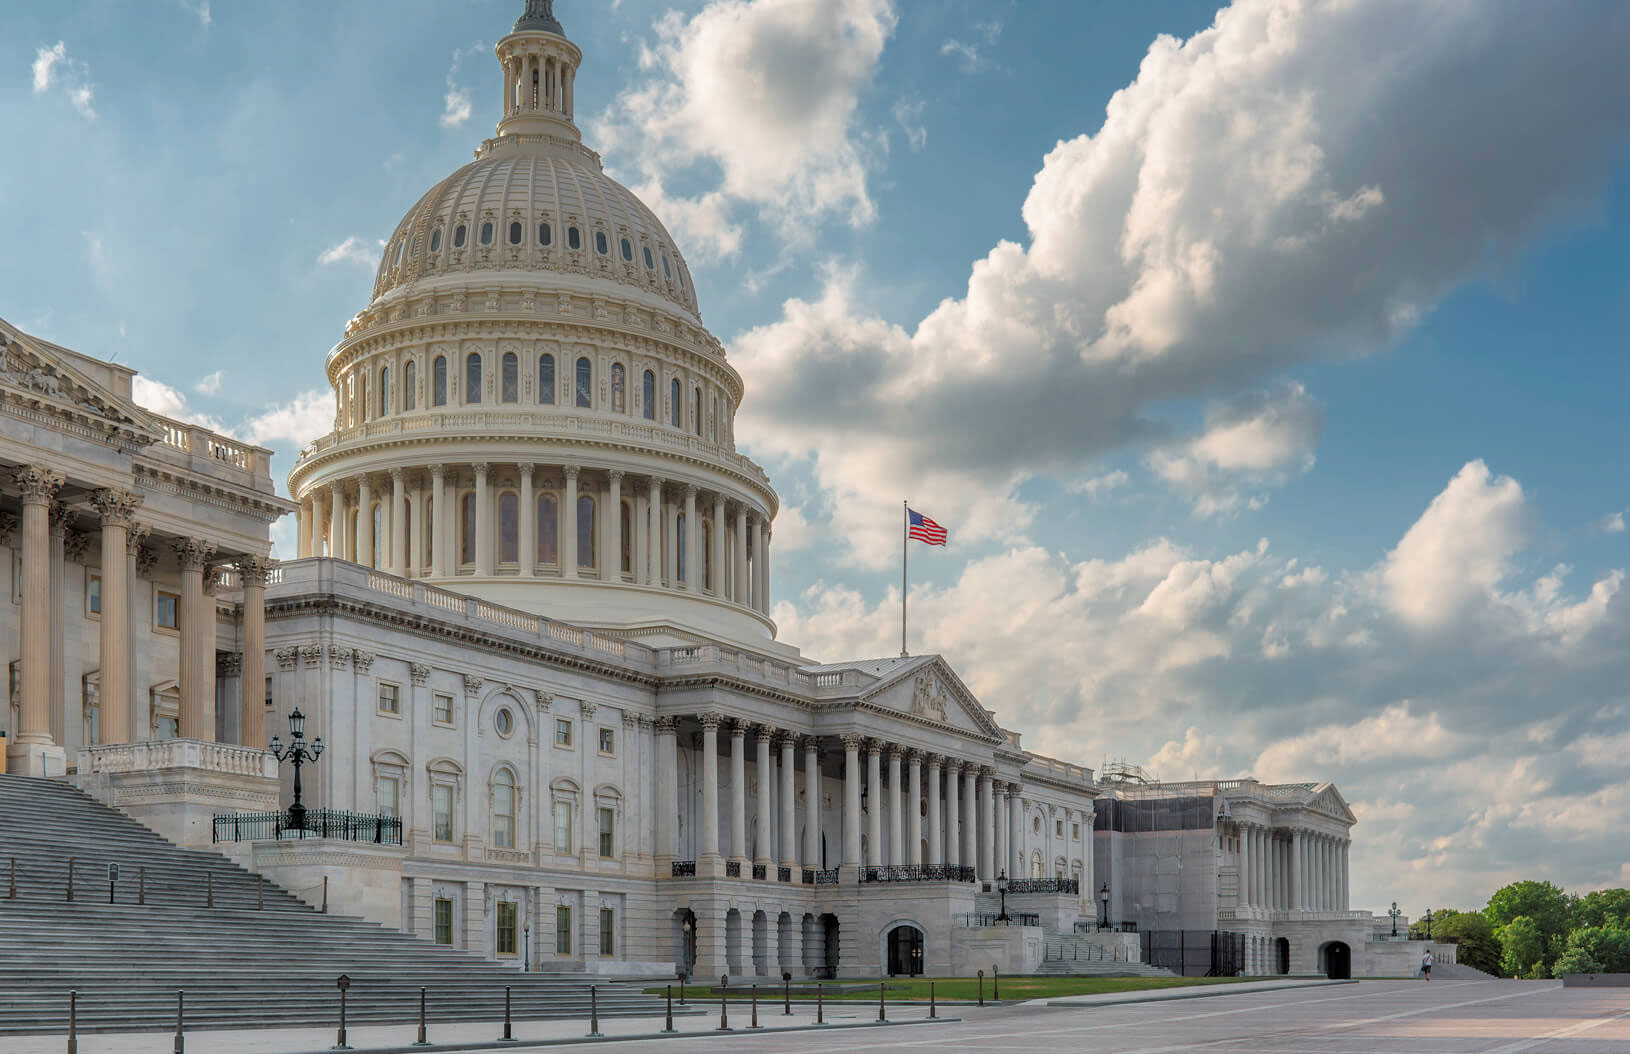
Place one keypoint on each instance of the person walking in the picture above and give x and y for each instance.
(1426, 964)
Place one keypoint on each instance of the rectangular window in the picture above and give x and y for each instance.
(1059, 828)
(1075, 832)
(387, 796)
(444, 922)
(93, 595)
(608, 932)
(441, 712)
(390, 699)
(607, 831)
(506, 928)
(269, 703)
(563, 732)
(608, 742)
(563, 930)
(166, 609)
(563, 827)
(441, 800)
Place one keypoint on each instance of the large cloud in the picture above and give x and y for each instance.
(1299, 180)
(1487, 748)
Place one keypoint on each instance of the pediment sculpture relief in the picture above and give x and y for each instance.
(926, 700)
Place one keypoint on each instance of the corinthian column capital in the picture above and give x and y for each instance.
(116, 507)
(193, 553)
(38, 483)
(254, 570)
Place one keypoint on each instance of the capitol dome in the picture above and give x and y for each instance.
(529, 409)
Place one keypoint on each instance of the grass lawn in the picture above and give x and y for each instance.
(901, 989)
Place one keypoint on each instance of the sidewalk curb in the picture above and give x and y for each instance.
(1187, 993)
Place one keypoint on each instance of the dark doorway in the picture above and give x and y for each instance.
(1337, 961)
(829, 925)
(905, 951)
(1281, 949)
(685, 941)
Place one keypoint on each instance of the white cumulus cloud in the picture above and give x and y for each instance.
(210, 384)
(353, 250)
(52, 68)
(298, 422)
(456, 104)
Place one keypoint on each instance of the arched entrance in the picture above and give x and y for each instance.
(1336, 961)
(829, 927)
(905, 951)
(1281, 955)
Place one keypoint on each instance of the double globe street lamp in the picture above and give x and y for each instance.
(299, 754)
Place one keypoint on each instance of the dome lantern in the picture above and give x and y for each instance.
(540, 74)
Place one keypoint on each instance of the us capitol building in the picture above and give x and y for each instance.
(529, 616)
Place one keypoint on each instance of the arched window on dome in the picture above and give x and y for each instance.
(574, 238)
(410, 385)
(384, 390)
(466, 517)
(676, 405)
(715, 420)
(401, 250)
(546, 378)
(548, 530)
(584, 388)
(600, 245)
(587, 554)
(515, 232)
(509, 527)
(681, 572)
(707, 554)
(696, 411)
(619, 384)
(648, 391)
(425, 559)
(626, 538)
(376, 515)
(460, 234)
(435, 240)
(438, 381)
(472, 378)
(546, 236)
(666, 270)
(362, 397)
(650, 264)
(511, 378)
(486, 233)
(628, 250)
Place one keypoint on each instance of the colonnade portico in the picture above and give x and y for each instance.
(1290, 869)
(526, 520)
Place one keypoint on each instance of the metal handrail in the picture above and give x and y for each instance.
(335, 824)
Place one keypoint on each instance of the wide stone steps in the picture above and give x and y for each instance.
(259, 957)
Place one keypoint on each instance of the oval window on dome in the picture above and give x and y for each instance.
(486, 233)
(666, 270)
(628, 250)
(545, 235)
(600, 245)
(650, 264)
(515, 233)
(460, 233)
(435, 240)
(574, 238)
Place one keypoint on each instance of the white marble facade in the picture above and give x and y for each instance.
(529, 614)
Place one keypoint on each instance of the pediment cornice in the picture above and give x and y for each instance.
(44, 388)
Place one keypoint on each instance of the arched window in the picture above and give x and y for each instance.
(628, 250)
(548, 530)
(438, 396)
(648, 391)
(435, 240)
(696, 411)
(619, 382)
(714, 428)
(707, 554)
(626, 537)
(429, 532)
(509, 527)
(600, 245)
(466, 541)
(511, 378)
(362, 397)
(680, 570)
(586, 554)
(486, 233)
(1035, 865)
(503, 809)
(472, 378)
(546, 379)
(574, 238)
(410, 385)
(676, 404)
(515, 233)
(650, 264)
(460, 233)
(545, 235)
(377, 514)
(585, 381)
(384, 390)
(666, 270)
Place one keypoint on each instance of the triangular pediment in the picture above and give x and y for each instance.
(35, 373)
(1328, 800)
(928, 690)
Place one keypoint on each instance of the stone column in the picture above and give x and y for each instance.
(1244, 899)
(1015, 838)
(38, 753)
(766, 851)
(528, 541)
(568, 548)
(1346, 877)
(653, 574)
(418, 532)
(399, 562)
(666, 796)
(710, 791)
(738, 789)
(1264, 860)
(1296, 870)
(1329, 874)
(758, 563)
(252, 572)
(851, 799)
(438, 521)
(739, 591)
(812, 802)
(987, 827)
(693, 578)
(789, 795)
(365, 521)
(336, 521)
(483, 521)
(117, 507)
(206, 644)
(302, 529)
(936, 848)
(896, 855)
(764, 573)
(998, 829)
(197, 711)
(874, 814)
(971, 821)
(914, 816)
(611, 561)
(314, 546)
(953, 828)
(721, 574)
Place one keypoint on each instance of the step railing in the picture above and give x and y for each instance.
(334, 824)
(972, 920)
(1022, 886)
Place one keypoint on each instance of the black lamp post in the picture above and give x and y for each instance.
(1395, 913)
(526, 928)
(1001, 887)
(865, 798)
(1103, 898)
(1428, 919)
(298, 753)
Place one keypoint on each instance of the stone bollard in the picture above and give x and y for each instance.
(73, 1023)
(594, 1013)
(820, 1008)
(724, 1003)
(754, 1023)
(423, 1040)
(981, 988)
(669, 1027)
(881, 1014)
(180, 1038)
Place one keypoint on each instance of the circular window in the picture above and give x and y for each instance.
(505, 722)
(1035, 824)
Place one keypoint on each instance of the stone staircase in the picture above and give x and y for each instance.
(1072, 954)
(257, 958)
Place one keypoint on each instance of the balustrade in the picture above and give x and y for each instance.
(333, 824)
(917, 873)
(684, 869)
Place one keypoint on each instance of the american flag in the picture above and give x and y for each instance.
(924, 529)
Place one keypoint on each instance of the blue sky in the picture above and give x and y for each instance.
(1279, 431)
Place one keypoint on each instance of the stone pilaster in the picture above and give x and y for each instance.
(35, 752)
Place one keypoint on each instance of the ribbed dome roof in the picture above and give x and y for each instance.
(540, 198)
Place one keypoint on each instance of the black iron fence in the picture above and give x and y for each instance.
(1088, 926)
(827, 877)
(761, 871)
(684, 869)
(977, 919)
(1021, 886)
(1194, 953)
(334, 824)
(732, 869)
(914, 873)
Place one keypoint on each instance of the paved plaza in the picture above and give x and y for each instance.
(1386, 1017)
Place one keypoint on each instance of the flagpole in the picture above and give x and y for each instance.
(905, 520)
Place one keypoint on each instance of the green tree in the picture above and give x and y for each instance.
(1544, 903)
(1575, 960)
(1602, 908)
(1522, 948)
(1478, 947)
(1607, 947)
